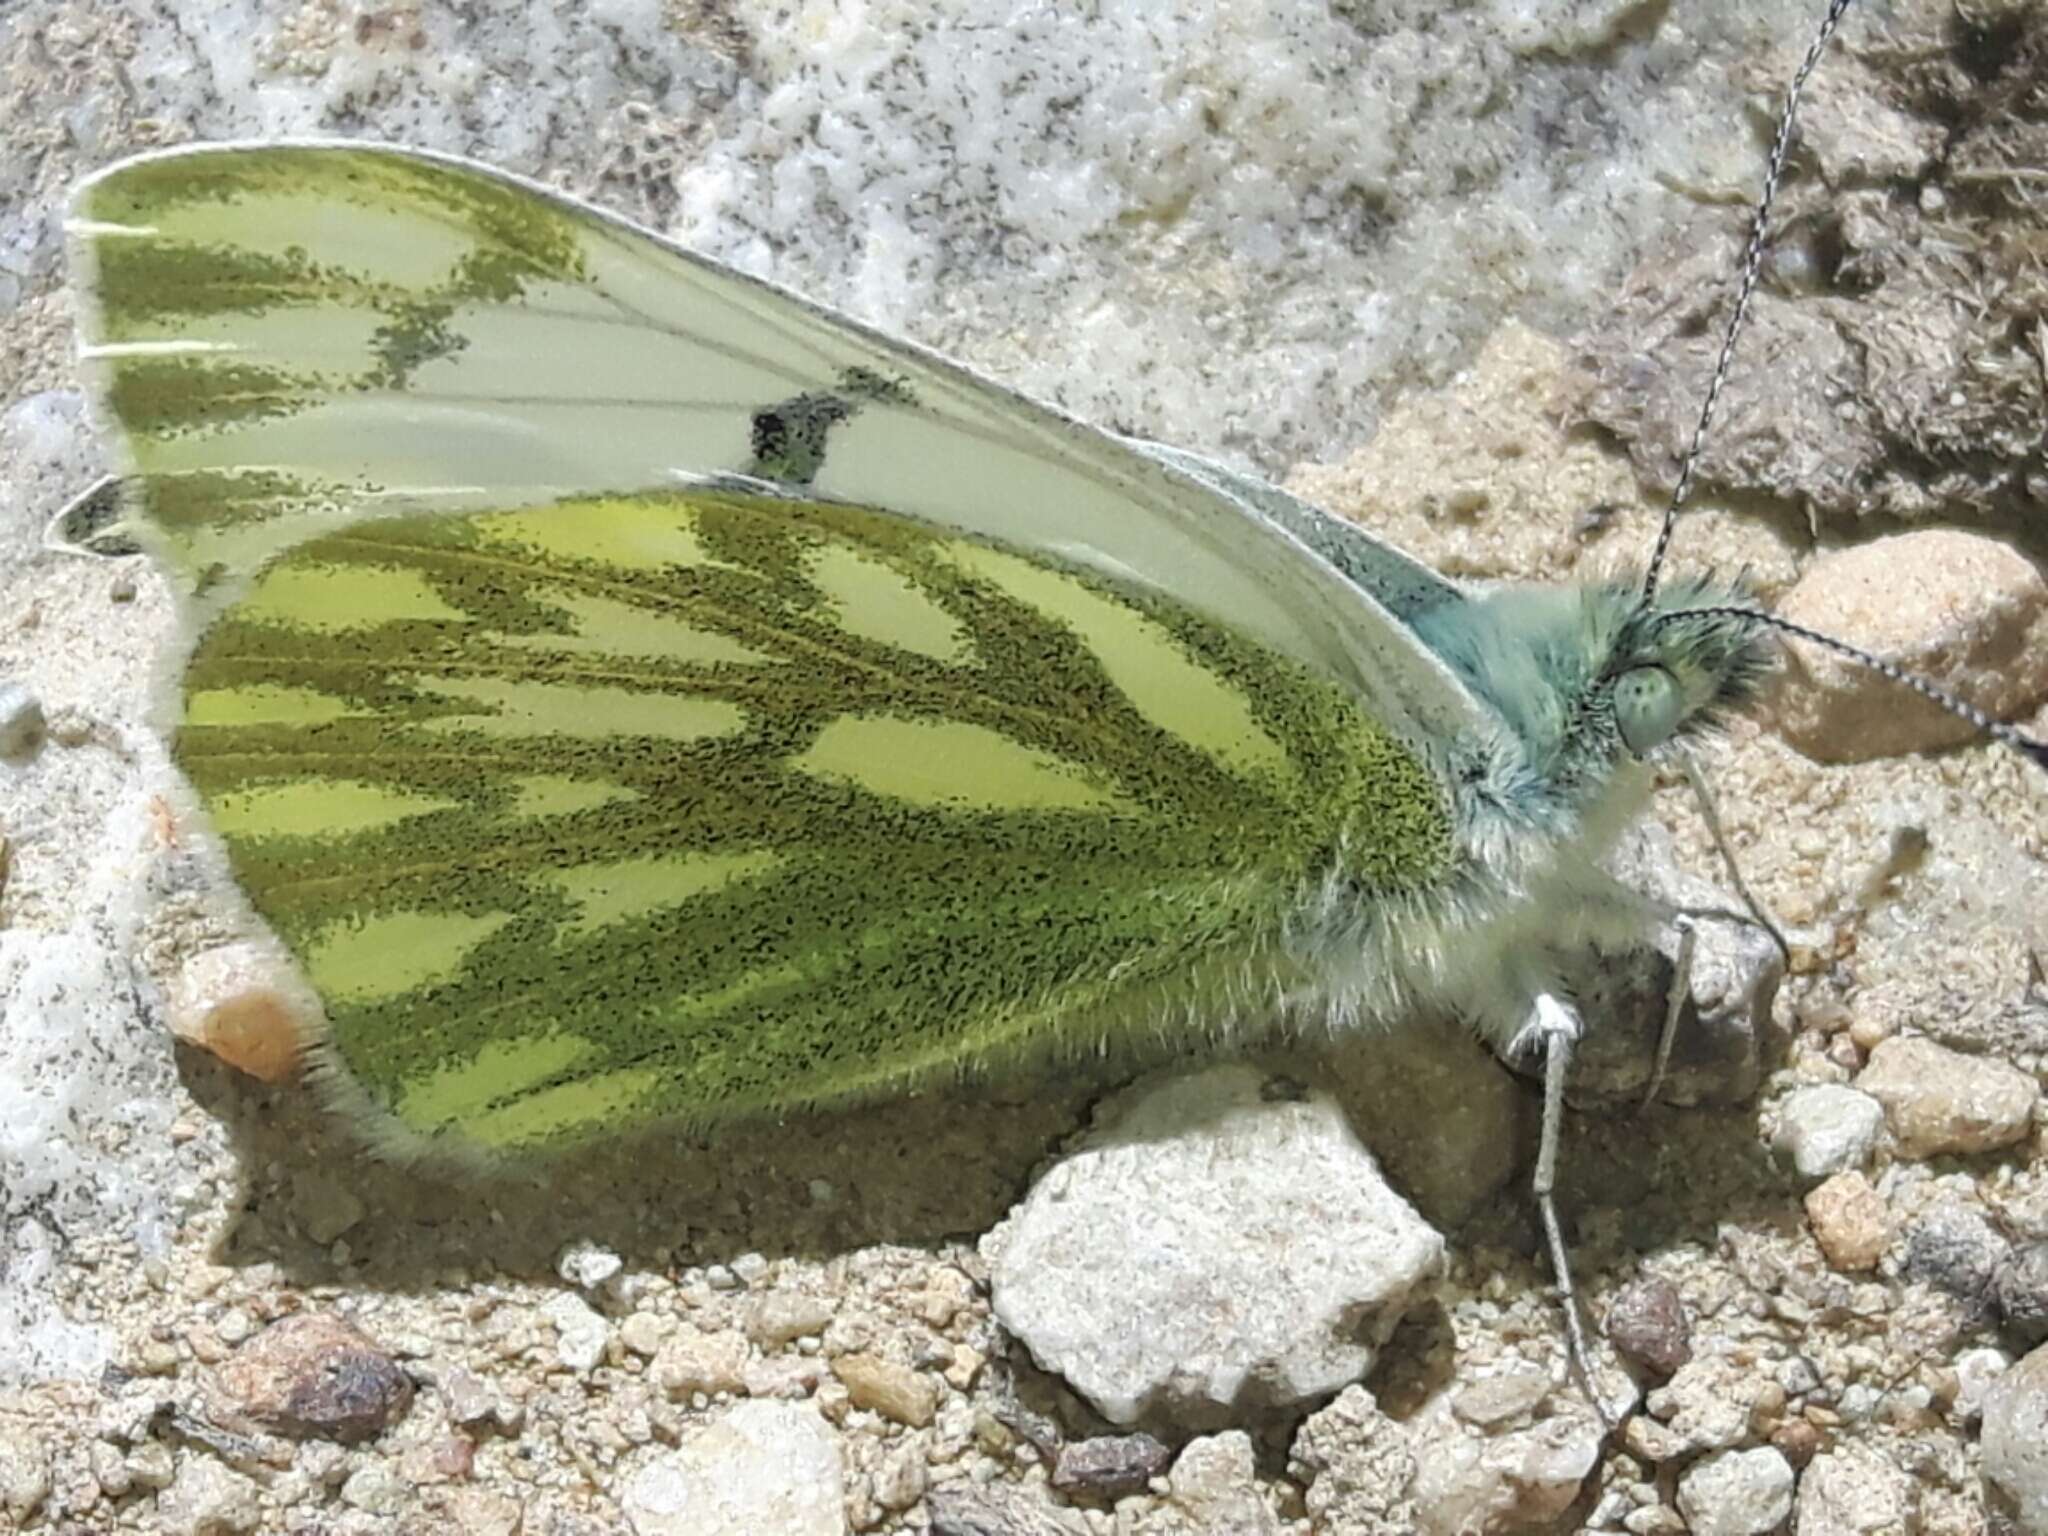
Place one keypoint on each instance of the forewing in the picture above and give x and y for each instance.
(294, 337)
(674, 806)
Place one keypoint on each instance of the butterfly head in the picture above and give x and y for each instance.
(1679, 663)
(1587, 680)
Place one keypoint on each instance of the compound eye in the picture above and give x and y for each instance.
(1648, 707)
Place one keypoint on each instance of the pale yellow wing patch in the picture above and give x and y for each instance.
(266, 704)
(319, 808)
(520, 707)
(1189, 702)
(395, 953)
(948, 763)
(554, 794)
(625, 889)
(611, 531)
(333, 599)
(604, 627)
(500, 1067)
(876, 602)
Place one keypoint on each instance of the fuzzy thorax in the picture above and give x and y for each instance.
(1536, 808)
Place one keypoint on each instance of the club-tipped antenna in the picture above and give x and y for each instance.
(1752, 267)
(2028, 747)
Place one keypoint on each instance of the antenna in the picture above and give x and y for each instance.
(1962, 709)
(1752, 266)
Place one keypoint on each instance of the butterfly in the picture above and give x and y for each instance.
(635, 696)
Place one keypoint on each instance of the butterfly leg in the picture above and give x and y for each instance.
(1555, 1027)
(1674, 1003)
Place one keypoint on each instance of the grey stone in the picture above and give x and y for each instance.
(22, 726)
(1954, 1249)
(1827, 1129)
(1107, 1467)
(1501, 1399)
(1708, 1404)
(760, 1466)
(2015, 1443)
(1214, 1482)
(1219, 1242)
(1000, 1509)
(2019, 1287)
(1977, 1370)
(1736, 1493)
(24, 1475)
(375, 1489)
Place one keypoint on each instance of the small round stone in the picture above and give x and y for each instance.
(314, 1376)
(1647, 1324)
(1849, 1220)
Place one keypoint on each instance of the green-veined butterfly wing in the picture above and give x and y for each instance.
(295, 336)
(635, 695)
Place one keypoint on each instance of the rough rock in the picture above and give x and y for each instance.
(1222, 1241)
(1647, 1325)
(1468, 1483)
(314, 1375)
(208, 1499)
(1965, 612)
(1736, 1493)
(1358, 1465)
(1941, 1101)
(2015, 1442)
(1853, 1491)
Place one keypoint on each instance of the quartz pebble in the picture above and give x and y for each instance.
(1736, 1493)
(229, 1002)
(759, 1467)
(1828, 1129)
(894, 1391)
(581, 1332)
